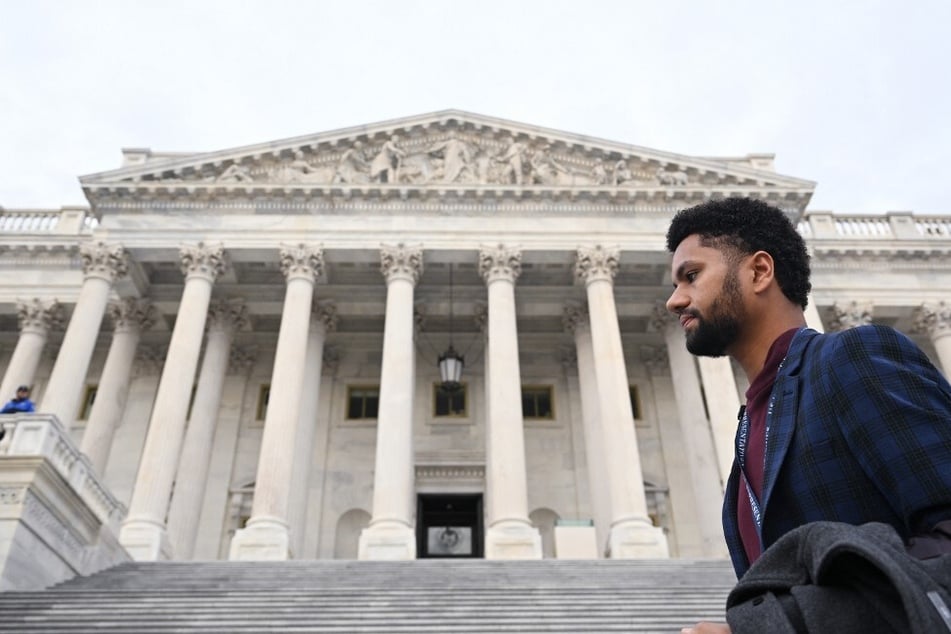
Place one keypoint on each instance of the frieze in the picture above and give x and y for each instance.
(12, 496)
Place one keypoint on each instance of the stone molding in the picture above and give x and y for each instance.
(301, 260)
(203, 260)
(597, 264)
(850, 315)
(105, 261)
(132, 314)
(37, 314)
(500, 262)
(934, 319)
(401, 261)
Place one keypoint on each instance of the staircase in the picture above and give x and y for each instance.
(428, 595)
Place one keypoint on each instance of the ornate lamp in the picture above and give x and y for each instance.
(450, 362)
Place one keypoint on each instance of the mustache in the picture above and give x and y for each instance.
(689, 312)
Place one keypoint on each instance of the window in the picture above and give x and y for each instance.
(537, 402)
(264, 395)
(363, 401)
(449, 404)
(89, 397)
(635, 403)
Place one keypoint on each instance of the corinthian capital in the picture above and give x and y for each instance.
(661, 319)
(934, 318)
(655, 359)
(302, 260)
(107, 261)
(845, 316)
(596, 263)
(574, 316)
(401, 262)
(500, 262)
(203, 260)
(131, 314)
(36, 314)
(227, 315)
(326, 314)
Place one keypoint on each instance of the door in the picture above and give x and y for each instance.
(449, 526)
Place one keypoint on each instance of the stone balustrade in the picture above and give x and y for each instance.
(64, 221)
(895, 225)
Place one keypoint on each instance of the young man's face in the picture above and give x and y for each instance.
(706, 298)
(23, 393)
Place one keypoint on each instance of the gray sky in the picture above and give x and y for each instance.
(855, 95)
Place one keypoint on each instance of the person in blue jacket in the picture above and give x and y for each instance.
(853, 426)
(20, 403)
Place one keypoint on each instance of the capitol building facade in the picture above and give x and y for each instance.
(236, 354)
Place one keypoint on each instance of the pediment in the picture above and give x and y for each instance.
(448, 149)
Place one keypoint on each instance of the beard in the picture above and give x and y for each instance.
(717, 331)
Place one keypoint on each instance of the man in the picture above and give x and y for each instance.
(852, 427)
(20, 403)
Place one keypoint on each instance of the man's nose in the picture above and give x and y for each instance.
(676, 302)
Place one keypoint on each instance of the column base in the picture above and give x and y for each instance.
(387, 541)
(513, 540)
(264, 539)
(637, 539)
(145, 540)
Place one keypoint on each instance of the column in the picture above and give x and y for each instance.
(130, 317)
(632, 534)
(267, 535)
(143, 533)
(850, 315)
(723, 404)
(102, 265)
(703, 455)
(36, 318)
(390, 534)
(224, 318)
(576, 322)
(322, 321)
(935, 319)
(811, 313)
(510, 534)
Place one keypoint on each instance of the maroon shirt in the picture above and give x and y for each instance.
(757, 404)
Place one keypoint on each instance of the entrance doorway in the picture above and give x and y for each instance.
(449, 526)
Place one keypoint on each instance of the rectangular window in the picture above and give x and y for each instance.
(264, 394)
(89, 397)
(537, 401)
(449, 404)
(363, 401)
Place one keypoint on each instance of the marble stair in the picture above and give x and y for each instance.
(431, 595)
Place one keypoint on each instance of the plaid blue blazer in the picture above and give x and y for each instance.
(859, 431)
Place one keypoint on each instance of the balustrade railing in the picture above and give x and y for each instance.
(68, 220)
(892, 226)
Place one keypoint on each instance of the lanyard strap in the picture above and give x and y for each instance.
(741, 441)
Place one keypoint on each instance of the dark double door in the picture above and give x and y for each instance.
(449, 526)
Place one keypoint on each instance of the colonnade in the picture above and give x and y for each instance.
(160, 525)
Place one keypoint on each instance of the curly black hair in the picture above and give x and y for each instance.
(745, 226)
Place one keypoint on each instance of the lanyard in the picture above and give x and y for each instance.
(741, 441)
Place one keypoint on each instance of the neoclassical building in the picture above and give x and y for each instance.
(237, 352)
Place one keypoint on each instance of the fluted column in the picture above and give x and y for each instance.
(102, 265)
(935, 319)
(390, 534)
(322, 321)
(143, 533)
(224, 318)
(267, 535)
(510, 534)
(130, 317)
(576, 322)
(36, 318)
(699, 447)
(849, 315)
(632, 534)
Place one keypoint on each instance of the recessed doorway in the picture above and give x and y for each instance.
(449, 526)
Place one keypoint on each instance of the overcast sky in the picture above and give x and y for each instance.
(854, 95)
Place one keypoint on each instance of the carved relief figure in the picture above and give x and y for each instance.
(456, 157)
(352, 166)
(512, 157)
(297, 170)
(235, 174)
(677, 177)
(545, 169)
(483, 161)
(385, 167)
(622, 172)
(599, 175)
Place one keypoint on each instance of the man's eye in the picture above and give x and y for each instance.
(690, 276)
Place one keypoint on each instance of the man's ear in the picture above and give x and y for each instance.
(761, 264)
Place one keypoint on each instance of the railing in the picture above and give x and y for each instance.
(68, 221)
(892, 226)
